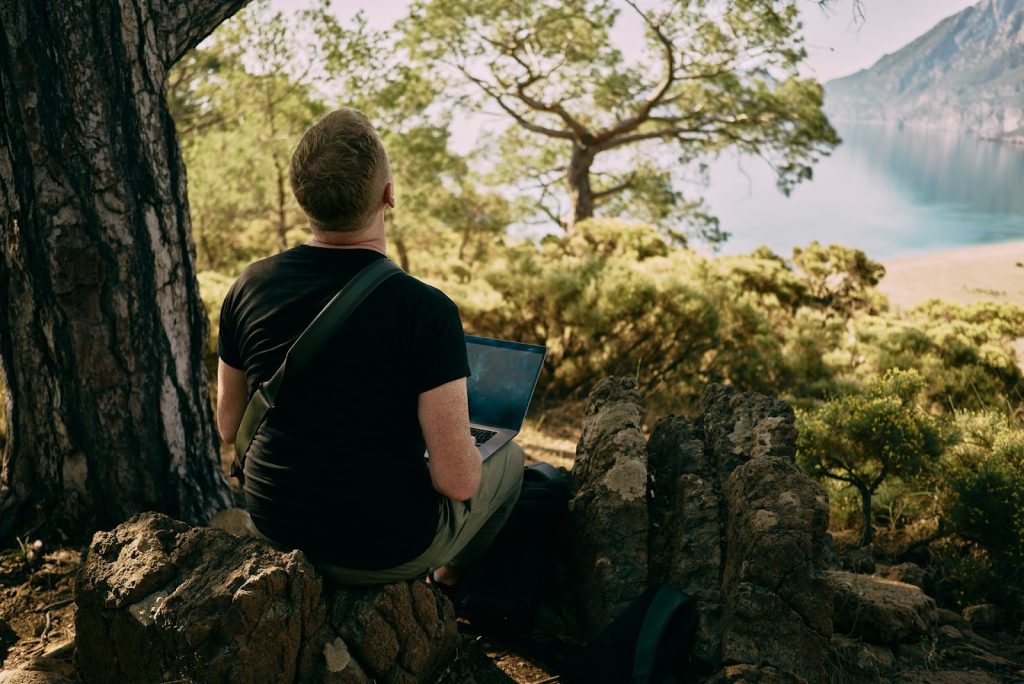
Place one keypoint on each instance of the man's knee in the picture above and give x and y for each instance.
(515, 455)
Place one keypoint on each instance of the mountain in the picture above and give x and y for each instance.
(965, 74)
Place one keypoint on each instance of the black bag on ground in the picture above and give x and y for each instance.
(508, 583)
(649, 643)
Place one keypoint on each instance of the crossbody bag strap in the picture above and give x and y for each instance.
(302, 352)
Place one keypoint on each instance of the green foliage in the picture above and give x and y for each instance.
(840, 279)
(240, 104)
(985, 489)
(623, 133)
(964, 352)
(861, 439)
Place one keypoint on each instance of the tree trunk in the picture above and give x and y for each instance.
(579, 185)
(102, 332)
(867, 531)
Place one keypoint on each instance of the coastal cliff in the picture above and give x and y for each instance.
(966, 74)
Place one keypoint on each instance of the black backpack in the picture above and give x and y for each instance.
(649, 643)
(506, 586)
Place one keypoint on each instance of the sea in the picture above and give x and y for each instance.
(890, 191)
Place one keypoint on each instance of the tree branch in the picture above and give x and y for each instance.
(659, 92)
(185, 23)
(616, 188)
(520, 119)
(533, 103)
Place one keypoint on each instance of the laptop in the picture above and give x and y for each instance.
(503, 377)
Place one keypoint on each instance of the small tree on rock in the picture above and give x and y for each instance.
(862, 439)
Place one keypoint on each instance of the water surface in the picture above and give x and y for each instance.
(888, 191)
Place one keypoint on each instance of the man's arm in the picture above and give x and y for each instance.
(455, 463)
(231, 395)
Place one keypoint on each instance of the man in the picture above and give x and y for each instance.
(338, 469)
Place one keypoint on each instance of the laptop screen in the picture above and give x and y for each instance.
(502, 381)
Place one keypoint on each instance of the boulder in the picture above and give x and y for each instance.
(908, 573)
(608, 511)
(32, 677)
(881, 611)
(982, 616)
(857, 560)
(159, 600)
(727, 517)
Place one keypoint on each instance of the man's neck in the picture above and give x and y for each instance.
(371, 237)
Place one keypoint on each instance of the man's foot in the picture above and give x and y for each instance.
(445, 576)
(445, 581)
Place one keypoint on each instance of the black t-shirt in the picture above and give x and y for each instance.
(338, 468)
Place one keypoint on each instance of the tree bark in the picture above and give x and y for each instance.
(867, 531)
(102, 331)
(579, 185)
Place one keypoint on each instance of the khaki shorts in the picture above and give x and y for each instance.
(464, 528)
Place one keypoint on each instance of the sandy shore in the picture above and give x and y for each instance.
(965, 274)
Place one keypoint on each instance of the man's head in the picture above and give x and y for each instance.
(340, 171)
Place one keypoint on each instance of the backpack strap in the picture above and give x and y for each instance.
(668, 624)
(302, 352)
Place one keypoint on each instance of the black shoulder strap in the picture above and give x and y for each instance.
(302, 352)
(330, 319)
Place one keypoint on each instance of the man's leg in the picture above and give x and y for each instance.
(465, 529)
(479, 519)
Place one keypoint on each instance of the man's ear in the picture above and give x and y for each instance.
(389, 195)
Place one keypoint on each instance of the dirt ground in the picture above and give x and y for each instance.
(37, 610)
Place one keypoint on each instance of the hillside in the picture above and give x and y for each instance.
(966, 74)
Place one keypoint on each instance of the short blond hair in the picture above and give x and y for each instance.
(339, 171)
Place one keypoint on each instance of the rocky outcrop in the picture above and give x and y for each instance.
(159, 600)
(962, 75)
(609, 520)
(729, 519)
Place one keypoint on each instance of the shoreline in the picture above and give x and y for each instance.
(987, 272)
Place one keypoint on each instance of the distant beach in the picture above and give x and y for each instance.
(992, 272)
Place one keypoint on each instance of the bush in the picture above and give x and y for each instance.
(865, 438)
(984, 478)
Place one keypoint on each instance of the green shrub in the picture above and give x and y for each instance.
(984, 481)
(864, 438)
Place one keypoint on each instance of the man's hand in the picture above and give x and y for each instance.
(231, 394)
(455, 463)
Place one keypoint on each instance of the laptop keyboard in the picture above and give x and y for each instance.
(481, 435)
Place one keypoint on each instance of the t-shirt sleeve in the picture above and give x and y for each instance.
(228, 347)
(441, 347)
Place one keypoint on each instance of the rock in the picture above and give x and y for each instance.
(982, 616)
(948, 634)
(237, 521)
(608, 510)
(857, 560)
(858, 661)
(159, 600)
(778, 605)
(950, 677)
(730, 520)
(879, 610)
(908, 573)
(8, 637)
(32, 677)
(944, 616)
(687, 536)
